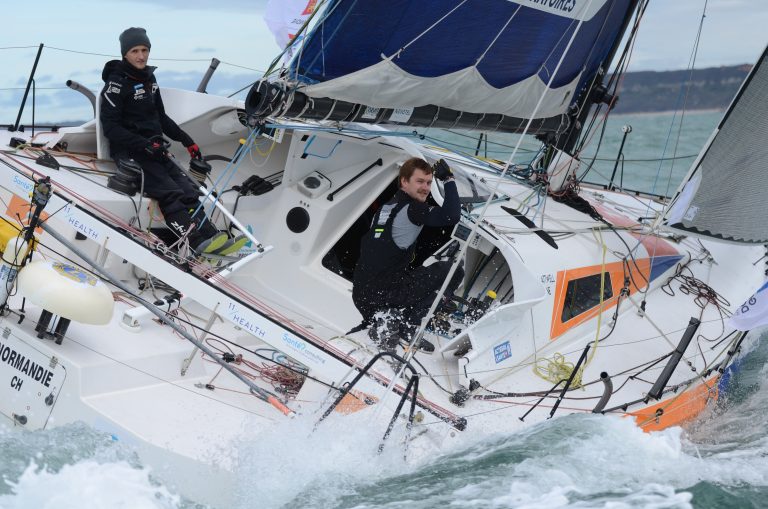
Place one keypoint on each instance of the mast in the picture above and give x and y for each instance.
(597, 93)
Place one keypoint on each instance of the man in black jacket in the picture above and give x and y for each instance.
(384, 282)
(134, 120)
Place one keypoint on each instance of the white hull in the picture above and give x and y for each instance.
(125, 378)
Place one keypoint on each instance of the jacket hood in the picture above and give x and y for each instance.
(123, 68)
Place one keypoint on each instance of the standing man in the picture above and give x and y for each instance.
(383, 281)
(134, 120)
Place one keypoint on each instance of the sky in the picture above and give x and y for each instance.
(186, 34)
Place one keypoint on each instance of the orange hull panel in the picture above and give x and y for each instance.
(678, 409)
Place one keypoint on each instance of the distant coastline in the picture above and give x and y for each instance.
(710, 89)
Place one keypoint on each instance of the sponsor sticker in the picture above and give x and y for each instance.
(691, 213)
(502, 352)
(370, 113)
(401, 115)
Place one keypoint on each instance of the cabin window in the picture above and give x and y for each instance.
(583, 294)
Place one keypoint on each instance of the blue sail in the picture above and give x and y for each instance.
(478, 56)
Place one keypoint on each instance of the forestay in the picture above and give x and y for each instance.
(724, 194)
(477, 56)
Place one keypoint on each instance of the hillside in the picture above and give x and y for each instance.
(652, 91)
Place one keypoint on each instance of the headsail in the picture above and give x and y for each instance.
(724, 194)
(432, 62)
(285, 18)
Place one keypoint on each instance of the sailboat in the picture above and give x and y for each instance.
(575, 298)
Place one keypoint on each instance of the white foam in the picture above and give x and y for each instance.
(87, 485)
(321, 466)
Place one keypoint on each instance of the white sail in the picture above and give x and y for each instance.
(723, 196)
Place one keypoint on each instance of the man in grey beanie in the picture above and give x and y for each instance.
(134, 121)
(132, 37)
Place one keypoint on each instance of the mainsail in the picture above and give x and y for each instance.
(723, 196)
(472, 63)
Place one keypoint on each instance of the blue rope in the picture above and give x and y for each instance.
(231, 169)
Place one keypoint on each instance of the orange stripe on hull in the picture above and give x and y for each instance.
(678, 409)
(654, 245)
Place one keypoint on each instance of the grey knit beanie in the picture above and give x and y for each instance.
(132, 37)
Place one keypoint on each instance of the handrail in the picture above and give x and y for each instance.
(378, 162)
(87, 92)
(345, 390)
(411, 389)
(658, 387)
(207, 77)
(570, 381)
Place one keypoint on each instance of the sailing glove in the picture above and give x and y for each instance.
(442, 171)
(194, 151)
(155, 149)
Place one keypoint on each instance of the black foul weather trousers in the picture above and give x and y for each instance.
(411, 292)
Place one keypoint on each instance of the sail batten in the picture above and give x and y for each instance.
(723, 195)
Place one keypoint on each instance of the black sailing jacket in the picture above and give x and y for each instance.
(132, 110)
(381, 259)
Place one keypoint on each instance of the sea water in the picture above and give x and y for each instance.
(578, 461)
(657, 151)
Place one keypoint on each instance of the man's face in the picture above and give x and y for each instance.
(138, 56)
(418, 186)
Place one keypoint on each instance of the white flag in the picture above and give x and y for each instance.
(753, 313)
(286, 17)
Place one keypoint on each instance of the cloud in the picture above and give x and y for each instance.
(60, 104)
(247, 5)
(204, 50)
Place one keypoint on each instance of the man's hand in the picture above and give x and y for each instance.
(194, 151)
(442, 171)
(155, 149)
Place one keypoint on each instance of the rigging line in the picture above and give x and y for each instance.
(691, 64)
(240, 66)
(445, 145)
(514, 14)
(429, 28)
(689, 383)
(648, 364)
(557, 368)
(464, 135)
(153, 58)
(36, 88)
(229, 342)
(505, 145)
(321, 23)
(153, 376)
(230, 168)
(615, 80)
(249, 85)
(119, 56)
(466, 149)
(105, 212)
